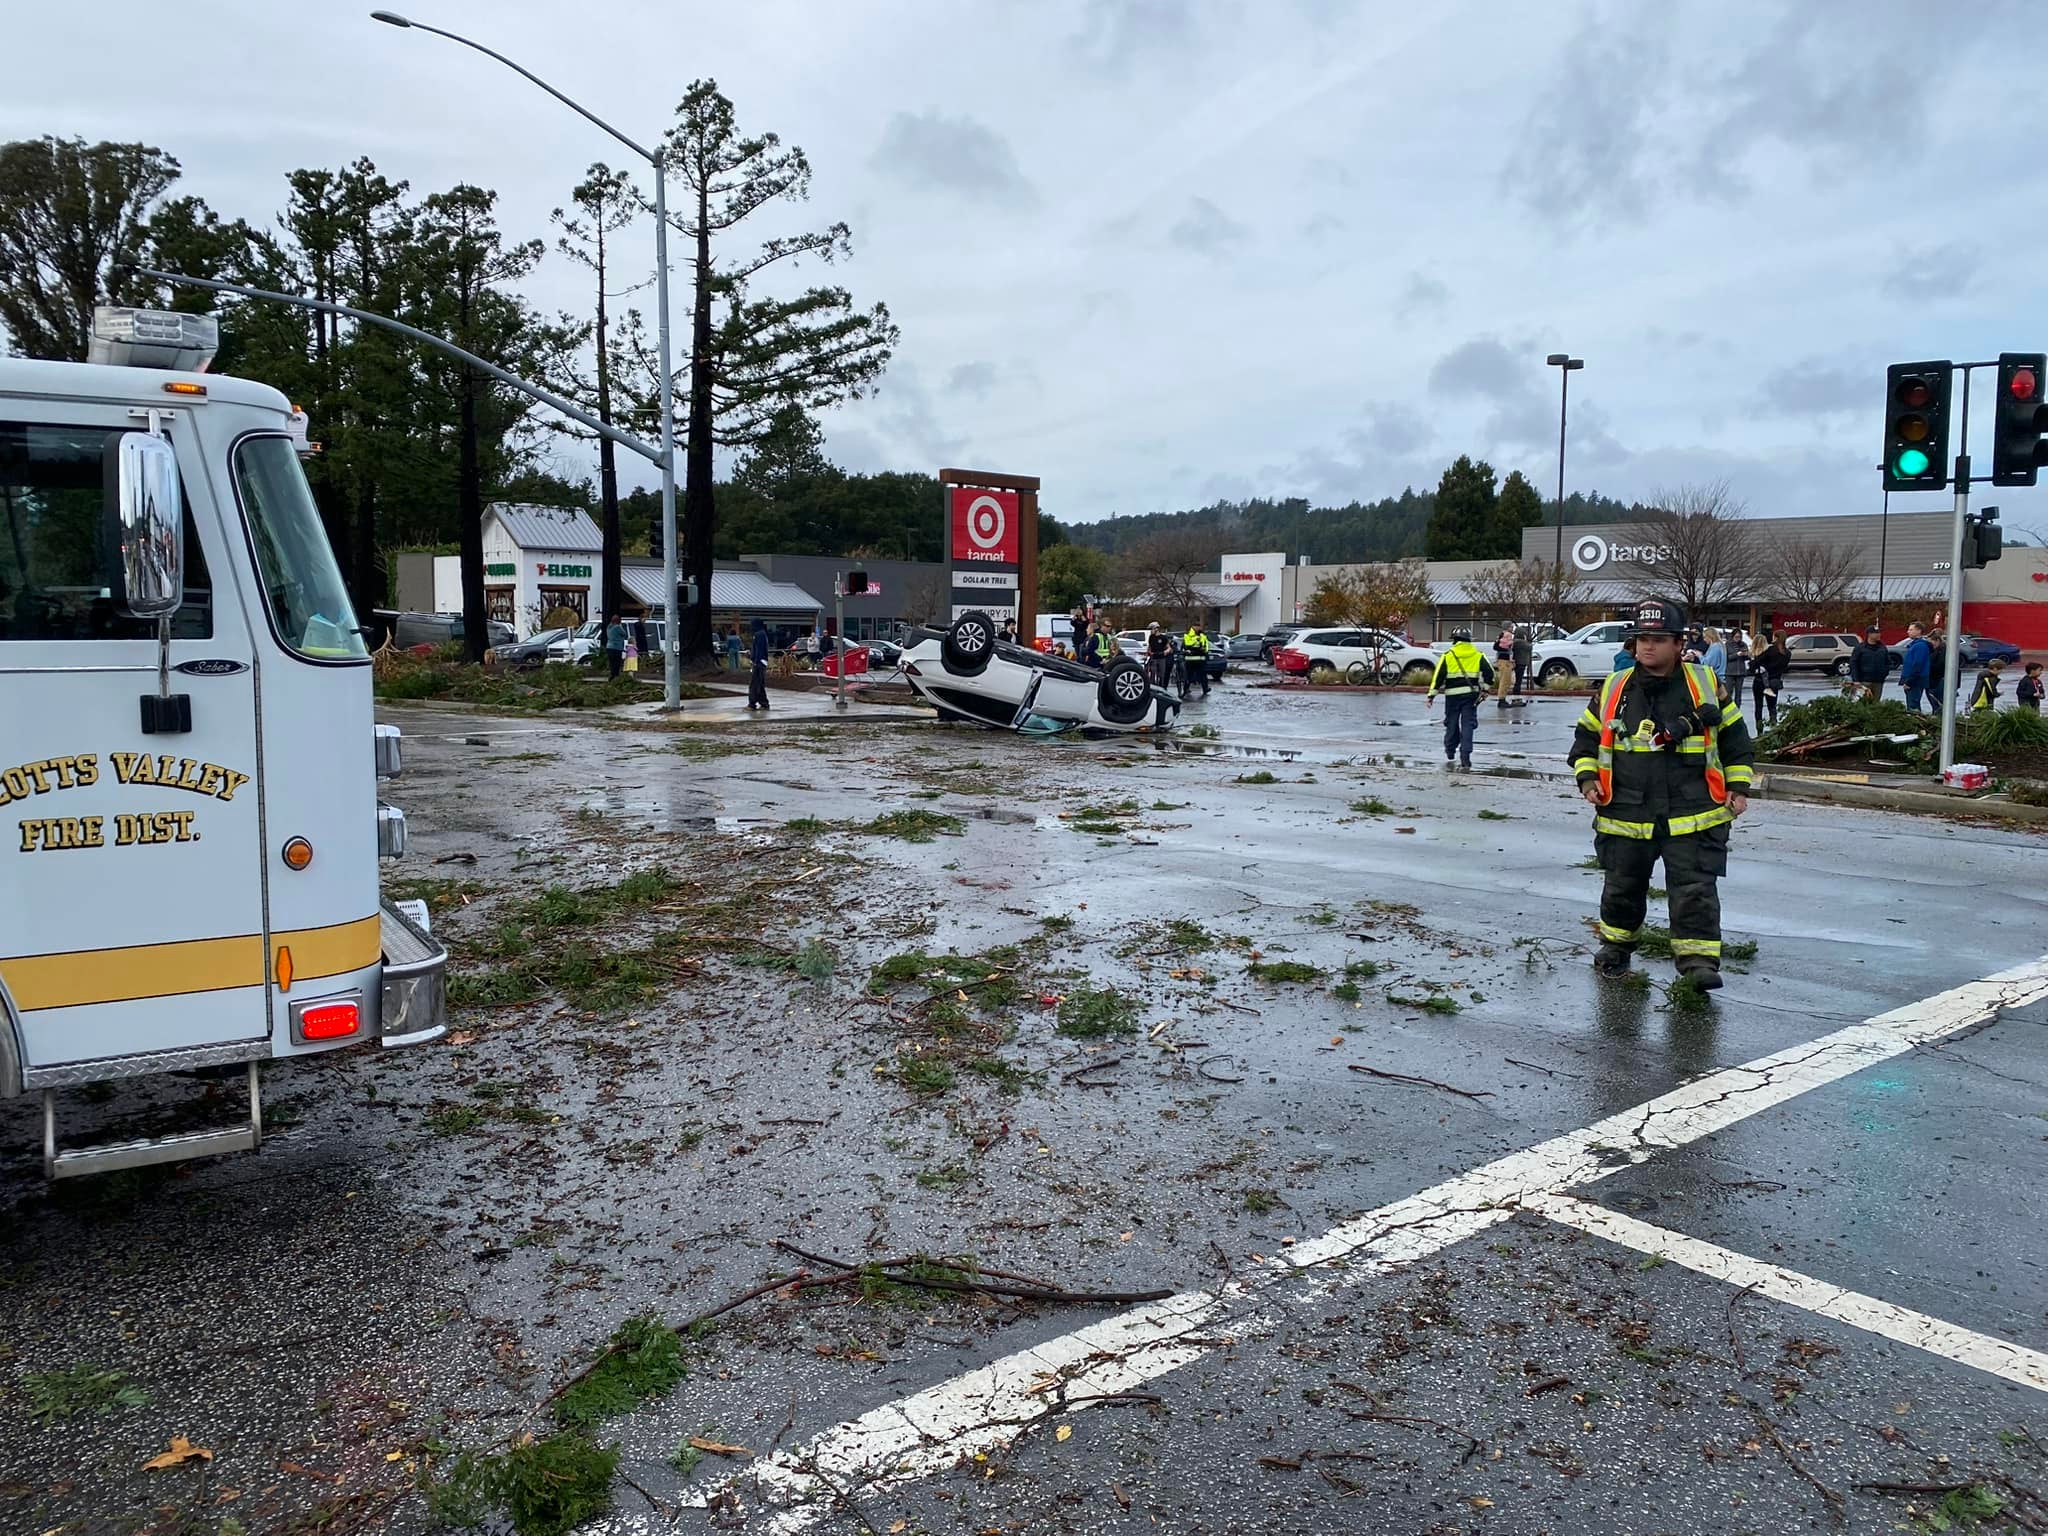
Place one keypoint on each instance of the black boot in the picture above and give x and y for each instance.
(1612, 959)
(1701, 972)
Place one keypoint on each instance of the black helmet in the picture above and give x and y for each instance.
(1654, 616)
(1462, 632)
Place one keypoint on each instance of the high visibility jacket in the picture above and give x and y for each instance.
(1642, 782)
(1461, 672)
(1196, 644)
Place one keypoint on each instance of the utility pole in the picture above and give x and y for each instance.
(1564, 363)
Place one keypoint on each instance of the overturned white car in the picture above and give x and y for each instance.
(970, 674)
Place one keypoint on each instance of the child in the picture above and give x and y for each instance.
(2030, 688)
(1986, 696)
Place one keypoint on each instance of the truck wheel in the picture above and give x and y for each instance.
(1554, 670)
(969, 643)
(1124, 694)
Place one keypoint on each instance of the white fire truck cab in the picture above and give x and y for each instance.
(190, 826)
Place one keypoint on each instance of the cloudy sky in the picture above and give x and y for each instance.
(1160, 251)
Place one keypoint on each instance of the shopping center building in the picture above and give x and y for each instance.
(1897, 565)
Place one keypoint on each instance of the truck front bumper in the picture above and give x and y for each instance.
(415, 981)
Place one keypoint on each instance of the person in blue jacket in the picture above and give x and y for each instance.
(1916, 666)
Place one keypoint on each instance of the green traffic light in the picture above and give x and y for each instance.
(1911, 464)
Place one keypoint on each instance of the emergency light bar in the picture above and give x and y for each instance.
(153, 338)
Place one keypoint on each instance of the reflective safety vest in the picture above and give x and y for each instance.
(1700, 683)
(1458, 671)
(1195, 643)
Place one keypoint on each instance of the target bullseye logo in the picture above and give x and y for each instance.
(985, 522)
(1589, 553)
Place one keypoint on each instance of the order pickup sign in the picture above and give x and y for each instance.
(984, 526)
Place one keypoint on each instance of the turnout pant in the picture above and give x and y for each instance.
(1693, 862)
(1461, 725)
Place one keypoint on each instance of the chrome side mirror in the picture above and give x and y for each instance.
(145, 524)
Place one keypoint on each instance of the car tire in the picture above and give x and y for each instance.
(1553, 670)
(1318, 669)
(1124, 696)
(1417, 674)
(1840, 668)
(970, 642)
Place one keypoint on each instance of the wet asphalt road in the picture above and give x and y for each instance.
(388, 1278)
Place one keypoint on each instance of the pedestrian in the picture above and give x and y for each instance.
(757, 682)
(1714, 657)
(1736, 678)
(1009, 630)
(1941, 686)
(2028, 695)
(1870, 664)
(1503, 665)
(1525, 649)
(1194, 650)
(1625, 657)
(1158, 655)
(614, 644)
(1916, 666)
(1986, 696)
(1768, 680)
(1462, 675)
(1667, 768)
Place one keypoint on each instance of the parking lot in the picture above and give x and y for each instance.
(1280, 1024)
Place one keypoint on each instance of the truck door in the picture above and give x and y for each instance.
(131, 865)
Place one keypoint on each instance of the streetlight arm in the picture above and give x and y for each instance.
(574, 413)
(582, 111)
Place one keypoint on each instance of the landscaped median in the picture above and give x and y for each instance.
(1882, 755)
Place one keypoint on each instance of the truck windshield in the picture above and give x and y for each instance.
(308, 605)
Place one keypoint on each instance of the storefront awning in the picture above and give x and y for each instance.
(748, 593)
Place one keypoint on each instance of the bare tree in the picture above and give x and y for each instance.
(1161, 573)
(1819, 578)
(926, 598)
(1515, 592)
(1701, 549)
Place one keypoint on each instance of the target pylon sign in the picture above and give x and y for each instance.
(992, 543)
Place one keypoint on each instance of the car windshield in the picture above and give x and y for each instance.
(309, 607)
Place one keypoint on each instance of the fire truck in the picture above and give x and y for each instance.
(190, 819)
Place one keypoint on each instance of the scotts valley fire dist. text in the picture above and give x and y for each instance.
(82, 771)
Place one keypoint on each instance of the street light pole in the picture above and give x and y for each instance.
(1564, 363)
(672, 677)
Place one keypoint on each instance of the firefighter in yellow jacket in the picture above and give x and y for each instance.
(1666, 763)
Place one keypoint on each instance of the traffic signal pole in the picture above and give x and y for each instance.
(1952, 639)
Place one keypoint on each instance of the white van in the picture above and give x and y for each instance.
(189, 819)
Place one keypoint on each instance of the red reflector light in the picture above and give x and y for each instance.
(329, 1021)
(2023, 384)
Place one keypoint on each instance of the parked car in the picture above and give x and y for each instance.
(1276, 637)
(1820, 653)
(532, 652)
(579, 642)
(434, 629)
(1586, 652)
(1245, 647)
(1354, 654)
(1974, 650)
(970, 675)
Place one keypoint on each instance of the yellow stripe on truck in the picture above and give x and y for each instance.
(78, 977)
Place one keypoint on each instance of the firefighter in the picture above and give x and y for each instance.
(1462, 675)
(1194, 647)
(1665, 762)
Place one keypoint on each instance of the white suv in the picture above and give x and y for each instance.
(1587, 652)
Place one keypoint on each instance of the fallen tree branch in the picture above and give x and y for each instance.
(1421, 1082)
(1837, 1505)
(985, 1287)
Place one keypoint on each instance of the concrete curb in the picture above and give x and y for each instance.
(1881, 797)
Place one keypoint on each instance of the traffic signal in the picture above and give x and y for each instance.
(1983, 539)
(2016, 446)
(1916, 426)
